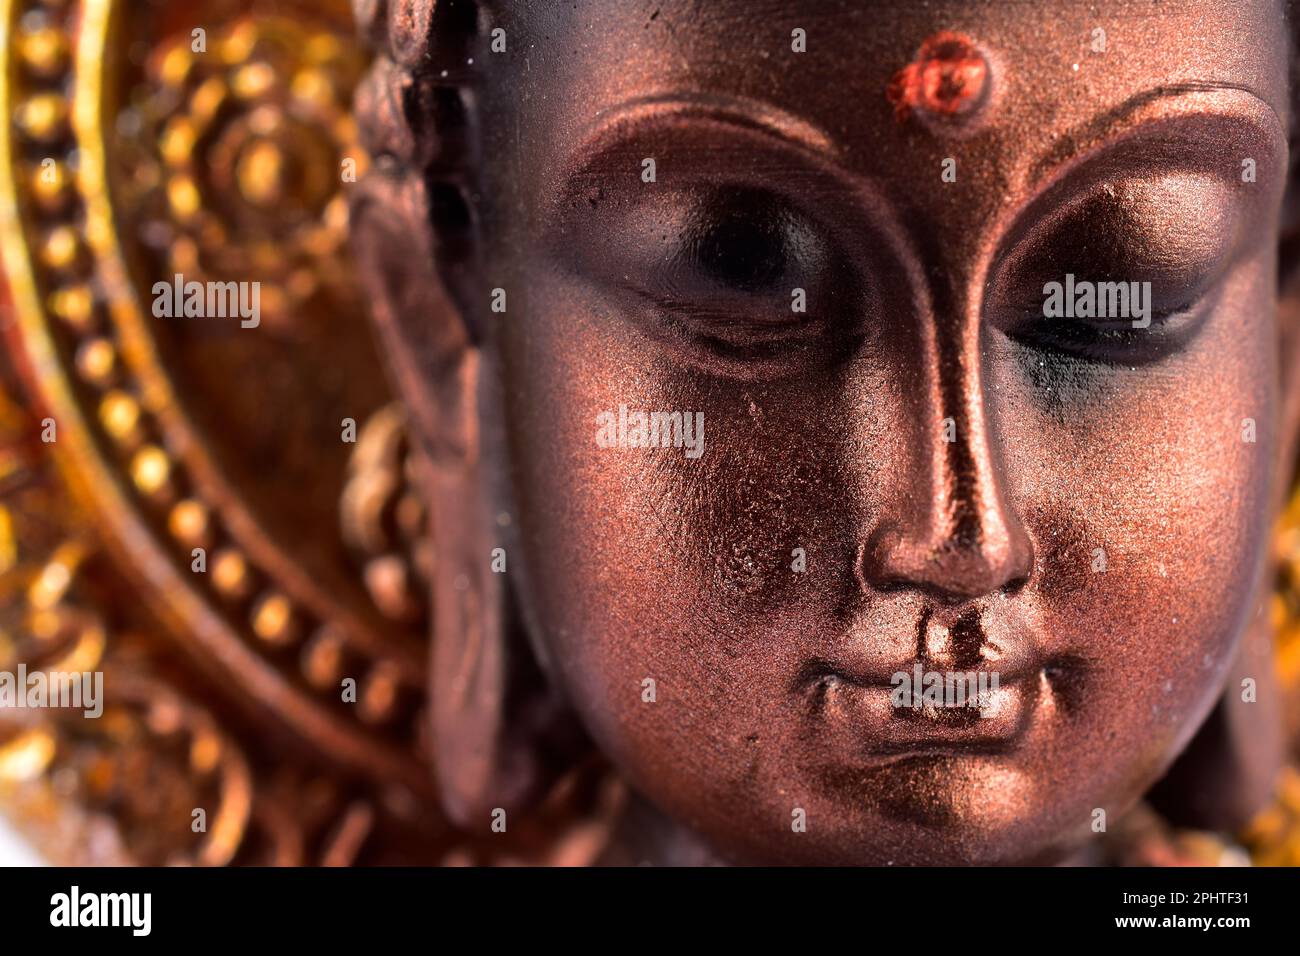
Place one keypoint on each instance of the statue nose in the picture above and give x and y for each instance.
(951, 561)
(950, 530)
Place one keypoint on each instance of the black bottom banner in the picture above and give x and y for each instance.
(330, 907)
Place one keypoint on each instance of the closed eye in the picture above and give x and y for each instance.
(729, 274)
(1120, 274)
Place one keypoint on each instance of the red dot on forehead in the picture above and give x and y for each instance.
(948, 79)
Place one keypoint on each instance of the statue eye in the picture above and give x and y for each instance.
(744, 241)
(717, 250)
(1121, 276)
(736, 278)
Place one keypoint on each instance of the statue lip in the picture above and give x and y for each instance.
(862, 717)
(965, 642)
(940, 730)
(871, 675)
(857, 693)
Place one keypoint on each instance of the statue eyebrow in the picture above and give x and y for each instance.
(1223, 100)
(615, 125)
(742, 111)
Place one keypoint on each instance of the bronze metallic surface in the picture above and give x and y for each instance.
(920, 471)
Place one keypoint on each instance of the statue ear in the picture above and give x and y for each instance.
(500, 734)
(1228, 771)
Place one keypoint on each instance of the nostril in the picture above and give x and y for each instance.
(871, 565)
(949, 568)
(1016, 583)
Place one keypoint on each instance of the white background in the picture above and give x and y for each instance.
(13, 851)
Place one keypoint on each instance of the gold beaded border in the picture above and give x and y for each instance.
(128, 420)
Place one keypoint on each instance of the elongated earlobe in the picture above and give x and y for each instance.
(500, 734)
(496, 723)
(1228, 772)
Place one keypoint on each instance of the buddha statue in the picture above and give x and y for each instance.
(830, 230)
(670, 433)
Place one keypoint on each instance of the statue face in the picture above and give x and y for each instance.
(921, 472)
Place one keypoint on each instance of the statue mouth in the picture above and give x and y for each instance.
(974, 685)
(921, 711)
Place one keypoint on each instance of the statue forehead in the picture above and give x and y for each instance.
(875, 83)
(576, 61)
